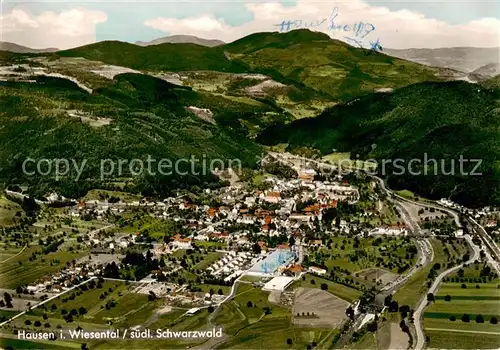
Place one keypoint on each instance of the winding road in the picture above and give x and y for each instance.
(420, 341)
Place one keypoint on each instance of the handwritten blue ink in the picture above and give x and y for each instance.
(355, 41)
(286, 25)
(359, 30)
(375, 46)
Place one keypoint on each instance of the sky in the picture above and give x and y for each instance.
(395, 24)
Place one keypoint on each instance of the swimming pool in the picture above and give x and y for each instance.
(273, 261)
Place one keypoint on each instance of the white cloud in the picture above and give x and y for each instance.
(396, 29)
(62, 30)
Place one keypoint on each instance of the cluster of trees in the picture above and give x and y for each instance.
(479, 319)
(37, 323)
(135, 266)
(393, 306)
(69, 315)
(483, 276)
(6, 301)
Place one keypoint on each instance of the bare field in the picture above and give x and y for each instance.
(378, 274)
(325, 309)
(101, 259)
(399, 339)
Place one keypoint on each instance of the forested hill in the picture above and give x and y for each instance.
(443, 120)
(309, 59)
(133, 117)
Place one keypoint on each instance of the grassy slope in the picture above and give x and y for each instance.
(442, 120)
(8, 211)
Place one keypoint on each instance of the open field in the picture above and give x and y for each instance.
(207, 287)
(103, 195)
(19, 270)
(412, 196)
(339, 290)
(246, 308)
(455, 289)
(399, 339)
(156, 228)
(101, 258)
(388, 336)
(472, 326)
(208, 260)
(471, 301)
(440, 339)
(214, 245)
(475, 306)
(347, 253)
(378, 275)
(249, 278)
(328, 310)
(197, 260)
(6, 314)
(9, 252)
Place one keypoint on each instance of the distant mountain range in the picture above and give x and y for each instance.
(182, 39)
(478, 62)
(6, 46)
(490, 70)
(465, 59)
(301, 58)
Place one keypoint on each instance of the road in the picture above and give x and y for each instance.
(486, 238)
(94, 232)
(452, 213)
(412, 225)
(425, 257)
(12, 257)
(420, 341)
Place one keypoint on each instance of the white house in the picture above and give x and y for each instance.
(317, 270)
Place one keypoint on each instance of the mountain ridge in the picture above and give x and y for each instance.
(303, 57)
(181, 39)
(16, 48)
(465, 59)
